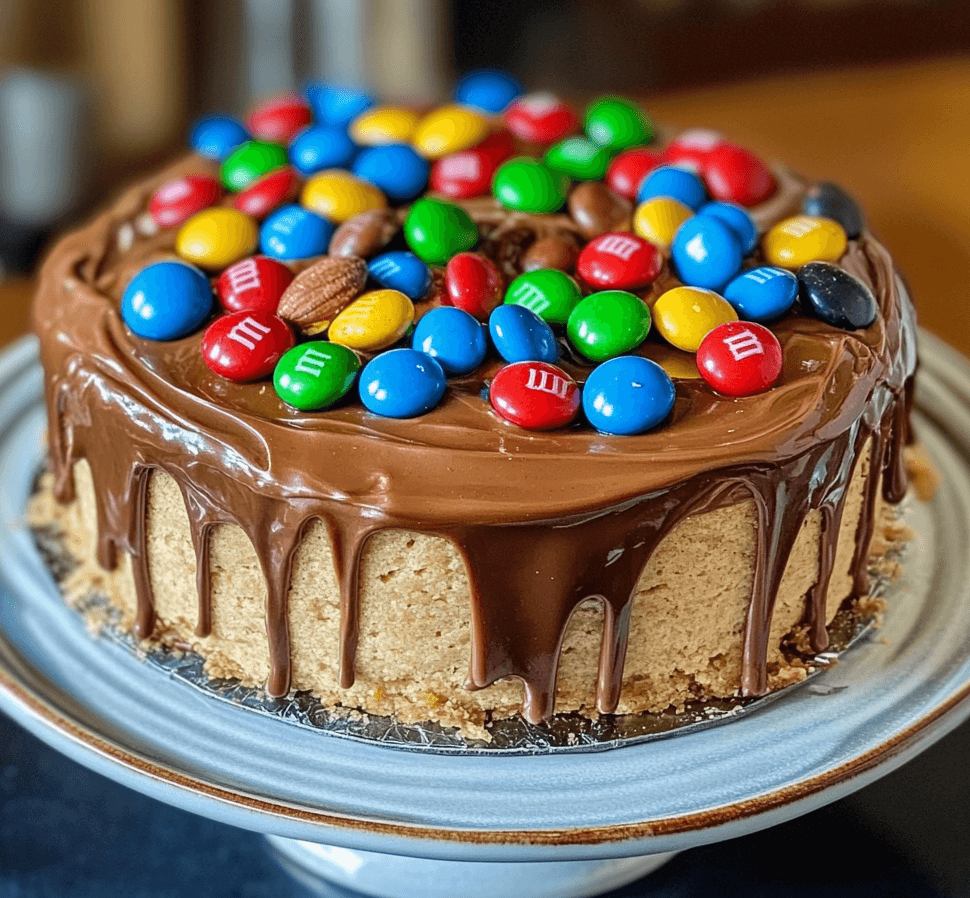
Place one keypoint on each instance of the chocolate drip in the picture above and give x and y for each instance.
(543, 521)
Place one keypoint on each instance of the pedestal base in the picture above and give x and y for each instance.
(330, 871)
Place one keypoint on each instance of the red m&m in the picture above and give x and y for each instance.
(735, 175)
(473, 283)
(540, 118)
(253, 285)
(245, 346)
(269, 192)
(463, 175)
(176, 202)
(692, 148)
(740, 358)
(618, 261)
(280, 119)
(535, 395)
(627, 171)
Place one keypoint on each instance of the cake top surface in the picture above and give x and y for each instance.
(454, 214)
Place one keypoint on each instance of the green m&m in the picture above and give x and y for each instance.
(436, 230)
(608, 324)
(617, 124)
(580, 158)
(526, 185)
(551, 294)
(315, 375)
(249, 161)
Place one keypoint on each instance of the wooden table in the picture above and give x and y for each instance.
(895, 137)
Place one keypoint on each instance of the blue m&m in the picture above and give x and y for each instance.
(706, 252)
(762, 294)
(402, 383)
(395, 168)
(453, 337)
(319, 147)
(737, 220)
(295, 233)
(337, 106)
(167, 300)
(627, 395)
(401, 271)
(217, 136)
(488, 89)
(676, 183)
(520, 335)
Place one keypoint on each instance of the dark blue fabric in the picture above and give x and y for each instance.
(66, 832)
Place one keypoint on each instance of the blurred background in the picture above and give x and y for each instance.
(874, 92)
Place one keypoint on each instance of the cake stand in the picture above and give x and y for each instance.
(392, 822)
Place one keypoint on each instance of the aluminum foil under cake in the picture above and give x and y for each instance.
(564, 732)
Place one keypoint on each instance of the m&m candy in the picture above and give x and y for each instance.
(835, 296)
(831, 201)
(293, 232)
(692, 148)
(608, 324)
(473, 283)
(269, 192)
(320, 147)
(253, 285)
(373, 321)
(685, 315)
(738, 358)
(540, 118)
(489, 90)
(520, 335)
(658, 219)
(249, 161)
(245, 346)
(166, 300)
(550, 293)
(279, 119)
(627, 395)
(734, 175)
(337, 105)
(315, 375)
(402, 383)
(674, 183)
(762, 294)
(215, 137)
(629, 169)
(527, 185)
(464, 175)
(395, 169)
(535, 395)
(338, 196)
(617, 123)
(178, 200)
(803, 238)
(596, 209)
(578, 157)
(383, 124)
(706, 252)
(737, 220)
(215, 238)
(448, 129)
(453, 337)
(436, 230)
(618, 261)
(401, 271)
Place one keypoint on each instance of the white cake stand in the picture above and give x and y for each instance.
(392, 822)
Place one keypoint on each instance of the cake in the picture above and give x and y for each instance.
(449, 532)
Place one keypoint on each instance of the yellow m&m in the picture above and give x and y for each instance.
(448, 130)
(684, 316)
(216, 238)
(373, 321)
(338, 195)
(657, 219)
(803, 238)
(384, 124)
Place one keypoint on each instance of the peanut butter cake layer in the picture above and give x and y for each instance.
(485, 409)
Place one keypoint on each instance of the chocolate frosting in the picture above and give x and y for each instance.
(542, 520)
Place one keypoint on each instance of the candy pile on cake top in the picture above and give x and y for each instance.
(382, 274)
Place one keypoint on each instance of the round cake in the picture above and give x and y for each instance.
(488, 409)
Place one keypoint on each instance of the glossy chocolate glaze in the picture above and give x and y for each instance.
(542, 520)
